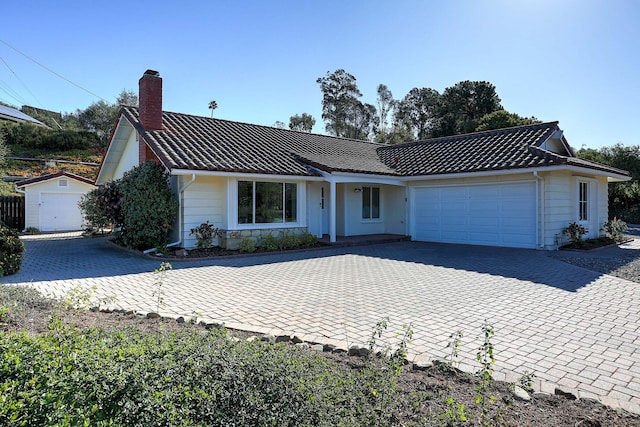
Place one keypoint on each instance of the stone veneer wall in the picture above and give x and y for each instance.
(231, 238)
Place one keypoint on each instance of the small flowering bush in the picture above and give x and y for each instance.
(102, 207)
(11, 251)
(615, 228)
(205, 233)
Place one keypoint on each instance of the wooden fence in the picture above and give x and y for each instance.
(12, 211)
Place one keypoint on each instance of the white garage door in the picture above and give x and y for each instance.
(492, 214)
(60, 212)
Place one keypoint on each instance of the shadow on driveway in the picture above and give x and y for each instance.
(54, 258)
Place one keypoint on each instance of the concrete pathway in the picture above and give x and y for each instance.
(576, 329)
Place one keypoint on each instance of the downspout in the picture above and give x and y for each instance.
(180, 197)
(540, 208)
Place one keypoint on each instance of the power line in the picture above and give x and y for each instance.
(53, 72)
(21, 82)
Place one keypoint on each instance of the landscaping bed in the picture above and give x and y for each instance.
(66, 366)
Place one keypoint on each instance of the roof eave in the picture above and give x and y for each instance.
(200, 172)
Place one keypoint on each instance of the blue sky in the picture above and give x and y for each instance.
(577, 62)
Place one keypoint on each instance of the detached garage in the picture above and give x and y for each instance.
(51, 201)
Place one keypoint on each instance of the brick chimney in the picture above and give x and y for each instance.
(150, 109)
(150, 97)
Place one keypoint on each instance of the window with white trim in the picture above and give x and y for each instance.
(267, 202)
(370, 202)
(583, 201)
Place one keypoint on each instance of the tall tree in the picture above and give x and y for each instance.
(420, 112)
(624, 197)
(127, 97)
(503, 119)
(342, 111)
(100, 116)
(212, 106)
(386, 104)
(465, 103)
(302, 122)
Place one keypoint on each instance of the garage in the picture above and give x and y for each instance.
(497, 214)
(60, 212)
(51, 201)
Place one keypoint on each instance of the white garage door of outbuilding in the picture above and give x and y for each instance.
(60, 212)
(502, 214)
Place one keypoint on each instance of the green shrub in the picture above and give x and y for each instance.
(205, 233)
(574, 232)
(269, 243)
(247, 246)
(289, 241)
(615, 229)
(11, 251)
(128, 377)
(148, 207)
(102, 207)
(308, 240)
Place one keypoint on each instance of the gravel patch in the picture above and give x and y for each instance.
(622, 261)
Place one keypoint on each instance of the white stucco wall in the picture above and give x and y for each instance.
(33, 194)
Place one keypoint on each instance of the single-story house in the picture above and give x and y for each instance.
(51, 201)
(515, 187)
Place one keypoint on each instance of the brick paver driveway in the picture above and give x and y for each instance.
(574, 328)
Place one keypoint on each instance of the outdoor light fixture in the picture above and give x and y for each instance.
(357, 190)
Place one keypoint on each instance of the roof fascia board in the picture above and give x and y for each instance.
(612, 177)
(120, 127)
(344, 177)
(184, 172)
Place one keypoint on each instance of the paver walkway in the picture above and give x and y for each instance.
(574, 328)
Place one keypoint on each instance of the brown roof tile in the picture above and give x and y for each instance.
(510, 148)
(202, 143)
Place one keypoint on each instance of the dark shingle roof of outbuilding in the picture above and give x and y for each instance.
(49, 176)
(201, 143)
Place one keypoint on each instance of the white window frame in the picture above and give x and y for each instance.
(232, 191)
(583, 204)
(379, 218)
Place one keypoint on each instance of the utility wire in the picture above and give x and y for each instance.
(53, 72)
(21, 82)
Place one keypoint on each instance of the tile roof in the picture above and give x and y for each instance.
(53, 176)
(510, 148)
(201, 143)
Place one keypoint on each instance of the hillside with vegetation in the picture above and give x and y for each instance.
(71, 142)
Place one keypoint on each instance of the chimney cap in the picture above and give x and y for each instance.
(152, 73)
